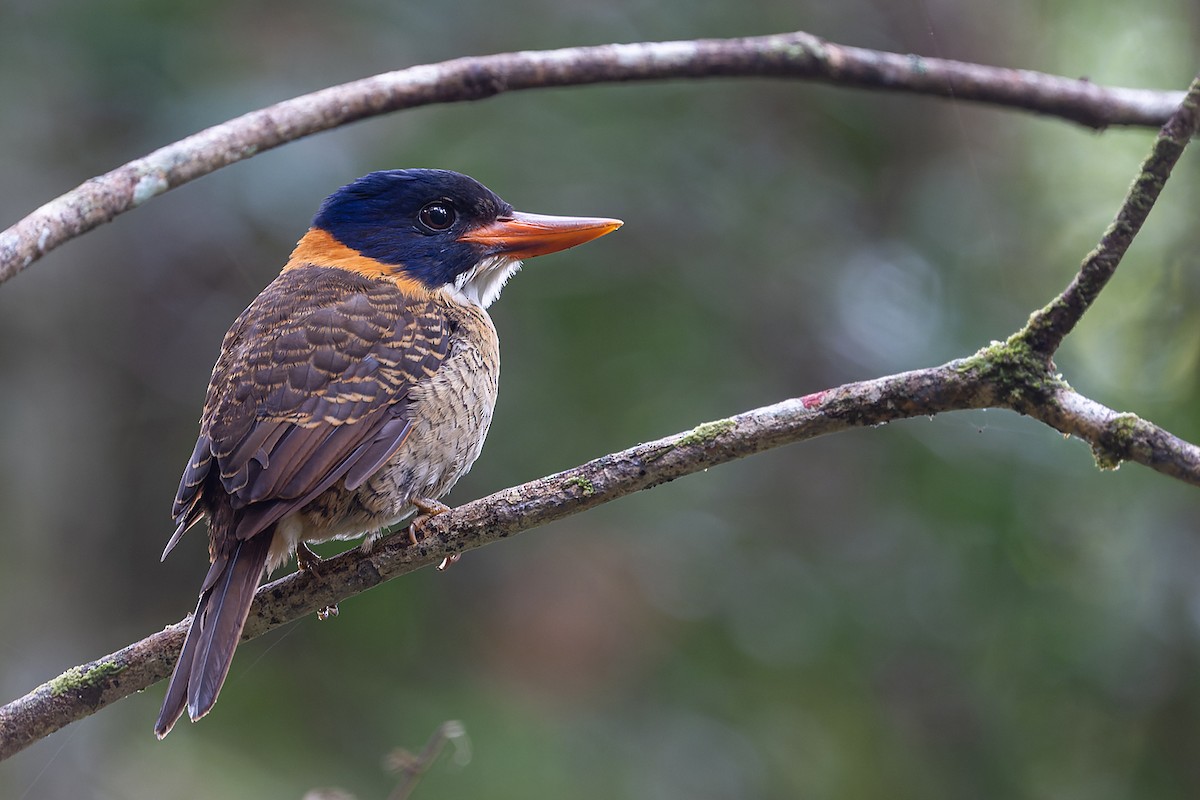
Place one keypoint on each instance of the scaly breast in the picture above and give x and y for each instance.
(450, 413)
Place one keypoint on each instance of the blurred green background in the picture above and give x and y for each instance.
(947, 608)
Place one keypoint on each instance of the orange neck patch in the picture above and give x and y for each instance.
(319, 248)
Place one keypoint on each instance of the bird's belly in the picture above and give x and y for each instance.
(450, 422)
(450, 413)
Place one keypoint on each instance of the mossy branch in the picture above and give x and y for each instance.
(999, 376)
(1049, 326)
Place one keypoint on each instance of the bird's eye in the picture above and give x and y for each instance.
(437, 216)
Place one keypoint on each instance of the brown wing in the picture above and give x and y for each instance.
(311, 387)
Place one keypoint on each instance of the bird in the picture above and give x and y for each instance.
(351, 394)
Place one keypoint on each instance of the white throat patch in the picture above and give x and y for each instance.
(481, 284)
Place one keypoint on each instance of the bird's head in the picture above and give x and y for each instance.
(435, 229)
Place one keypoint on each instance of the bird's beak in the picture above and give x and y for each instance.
(527, 235)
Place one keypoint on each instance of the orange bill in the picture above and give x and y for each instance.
(527, 235)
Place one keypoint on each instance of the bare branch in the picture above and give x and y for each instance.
(1048, 327)
(793, 55)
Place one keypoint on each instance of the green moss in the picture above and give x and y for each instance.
(699, 435)
(584, 485)
(706, 432)
(1116, 441)
(800, 48)
(1021, 377)
(77, 678)
(1019, 374)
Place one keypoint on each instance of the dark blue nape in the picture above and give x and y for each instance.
(377, 216)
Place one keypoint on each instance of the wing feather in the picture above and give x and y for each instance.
(312, 386)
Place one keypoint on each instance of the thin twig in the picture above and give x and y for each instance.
(1048, 327)
(792, 55)
(411, 767)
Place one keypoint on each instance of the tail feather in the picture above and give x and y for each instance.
(214, 633)
(222, 629)
(176, 699)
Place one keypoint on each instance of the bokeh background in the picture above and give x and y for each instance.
(946, 608)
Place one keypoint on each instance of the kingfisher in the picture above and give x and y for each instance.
(352, 393)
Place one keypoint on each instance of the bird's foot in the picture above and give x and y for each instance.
(429, 509)
(307, 560)
(310, 562)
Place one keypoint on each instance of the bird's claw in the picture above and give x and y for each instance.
(307, 560)
(429, 509)
(310, 562)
